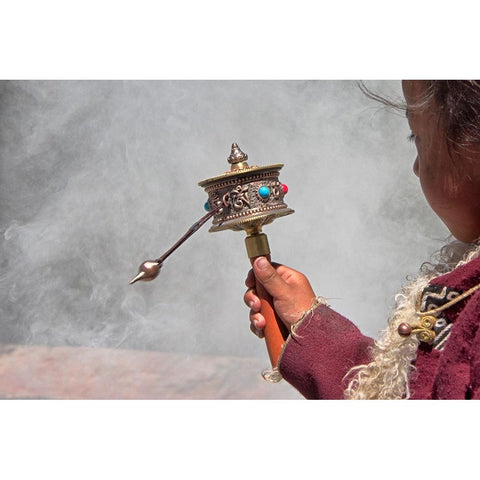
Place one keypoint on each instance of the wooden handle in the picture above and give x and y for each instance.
(275, 330)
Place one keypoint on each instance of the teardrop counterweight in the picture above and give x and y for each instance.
(150, 269)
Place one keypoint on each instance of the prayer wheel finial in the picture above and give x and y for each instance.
(237, 158)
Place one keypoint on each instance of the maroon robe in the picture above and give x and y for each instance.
(326, 345)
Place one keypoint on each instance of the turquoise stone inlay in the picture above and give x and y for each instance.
(264, 192)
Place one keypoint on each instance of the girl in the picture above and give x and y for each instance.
(431, 347)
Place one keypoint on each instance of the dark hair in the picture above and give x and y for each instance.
(458, 102)
(458, 106)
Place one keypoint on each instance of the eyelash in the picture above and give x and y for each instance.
(411, 137)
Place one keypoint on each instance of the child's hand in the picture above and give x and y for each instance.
(291, 292)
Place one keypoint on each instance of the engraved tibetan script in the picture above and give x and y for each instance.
(237, 198)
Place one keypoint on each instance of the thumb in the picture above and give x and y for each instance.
(266, 274)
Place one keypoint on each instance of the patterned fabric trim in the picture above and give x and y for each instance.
(434, 296)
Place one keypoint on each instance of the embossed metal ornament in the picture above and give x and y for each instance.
(425, 328)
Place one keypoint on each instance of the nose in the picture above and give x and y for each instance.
(415, 167)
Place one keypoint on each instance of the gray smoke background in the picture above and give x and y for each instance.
(97, 176)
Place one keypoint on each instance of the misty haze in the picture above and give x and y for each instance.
(98, 176)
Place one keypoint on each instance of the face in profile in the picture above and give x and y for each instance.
(450, 181)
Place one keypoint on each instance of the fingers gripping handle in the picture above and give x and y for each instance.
(275, 331)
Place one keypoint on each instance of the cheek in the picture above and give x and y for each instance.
(433, 163)
(433, 180)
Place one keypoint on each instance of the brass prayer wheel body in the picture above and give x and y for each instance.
(249, 196)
